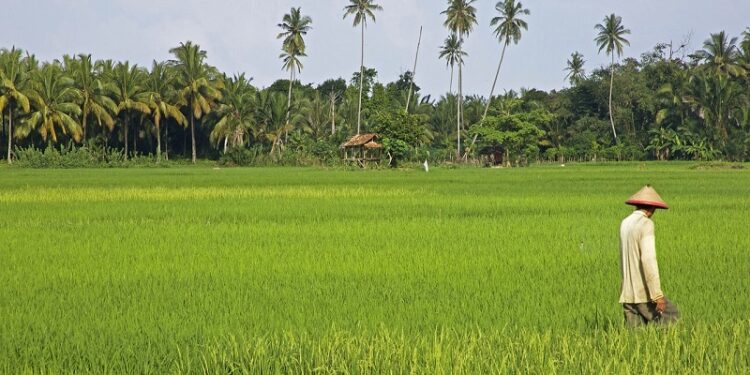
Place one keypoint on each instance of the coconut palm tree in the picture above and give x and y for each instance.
(611, 38)
(54, 106)
(294, 28)
(461, 17)
(576, 72)
(95, 94)
(197, 86)
(13, 89)
(130, 94)
(509, 25)
(236, 113)
(453, 53)
(361, 10)
(720, 52)
(162, 99)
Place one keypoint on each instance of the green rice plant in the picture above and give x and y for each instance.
(247, 271)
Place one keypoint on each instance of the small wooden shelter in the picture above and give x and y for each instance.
(363, 148)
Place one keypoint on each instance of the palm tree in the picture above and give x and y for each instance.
(611, 38)
(236, 113)
(271, 117)
(361, 10)
(452, 52)
(294, 27)
(13, 90)
(461, 17)
(130, 94)
(162, 99)
(509, 26)
(720, 52)
(575, 70)
(54, 106)
(95, 95)
(195, 80)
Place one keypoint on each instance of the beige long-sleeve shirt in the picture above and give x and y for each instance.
(640, 272)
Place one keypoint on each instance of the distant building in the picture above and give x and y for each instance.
(363, 148)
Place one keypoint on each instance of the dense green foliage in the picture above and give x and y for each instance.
(295, 270)
(669, 103)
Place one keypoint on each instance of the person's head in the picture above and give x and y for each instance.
(647, 200)
(648, 210)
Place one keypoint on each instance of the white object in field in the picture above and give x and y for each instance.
(426, 166)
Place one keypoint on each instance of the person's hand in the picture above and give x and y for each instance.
(661, 305)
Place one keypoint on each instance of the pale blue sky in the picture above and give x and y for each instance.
(240, 35)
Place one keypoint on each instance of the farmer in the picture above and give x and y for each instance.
(641, 296)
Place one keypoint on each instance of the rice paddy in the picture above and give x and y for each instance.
(249, 271)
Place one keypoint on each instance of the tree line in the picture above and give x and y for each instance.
(669, 103)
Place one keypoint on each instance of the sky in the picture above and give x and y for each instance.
(240, 35)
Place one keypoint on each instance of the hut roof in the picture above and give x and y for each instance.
(361, 140)
(372, 145)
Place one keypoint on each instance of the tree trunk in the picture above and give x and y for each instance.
(289, 106)
(450, 88)
(192, 130)
(414, 72)
(458, 116)
(611, 83)
(158, 142)
(83, 121)
(494, 83)
(361, 79)
(10, 136)
(489, 100)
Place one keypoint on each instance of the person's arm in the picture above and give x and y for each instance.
(648, 262)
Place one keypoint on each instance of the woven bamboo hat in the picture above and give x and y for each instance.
(647, 196)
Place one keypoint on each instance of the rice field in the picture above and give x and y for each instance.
(249, 271)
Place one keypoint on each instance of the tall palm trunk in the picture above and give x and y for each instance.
(83, 120)
(361, 79)
(489, 100)
(289, 105)
(494, 83)
(166, 142)
(450, 88)
(458, 116)
(611, 84)
(192, 130)
(10, 135)
(158, 141)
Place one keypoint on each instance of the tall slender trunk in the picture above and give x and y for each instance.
(494, 83)
(192, 130)
(450, 88)
(10, 136)
(458, 117)
(611, 83)
(414, 71)
(83, 120)
(158, 141)
(489, 100)
(289, 106)
(361, 79)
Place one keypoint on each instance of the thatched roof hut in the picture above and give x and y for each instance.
(368, 140)
(362, 148)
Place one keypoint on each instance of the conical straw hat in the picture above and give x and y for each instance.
(647, 196)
